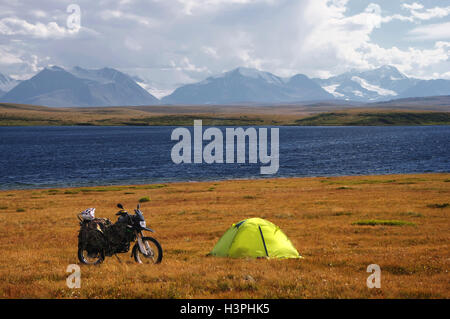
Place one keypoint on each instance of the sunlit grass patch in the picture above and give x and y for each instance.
(384, 222)
(411, 214)
(144, 199)
(71, 192)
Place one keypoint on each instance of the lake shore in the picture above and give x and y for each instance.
(326, 218)
(212, 115)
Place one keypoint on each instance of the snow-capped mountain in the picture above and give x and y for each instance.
(246, 85)
(384, 83)
(118, 87)
(55, 86)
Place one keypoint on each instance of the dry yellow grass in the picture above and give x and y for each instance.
(38, 239)
(330, 114)
(17, 114)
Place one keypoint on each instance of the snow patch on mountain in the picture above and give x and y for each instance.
(255, 74)
(332, 90)
(358, 93)
(158, 93)
(372, 87)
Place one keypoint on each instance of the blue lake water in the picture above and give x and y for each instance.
(35, 157)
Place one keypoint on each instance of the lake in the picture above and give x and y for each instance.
(40, 157)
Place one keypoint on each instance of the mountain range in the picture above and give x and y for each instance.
(382, 84)
(55, 86)
(245, 85)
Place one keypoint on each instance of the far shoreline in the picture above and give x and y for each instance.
(155, 185)
(244, 115)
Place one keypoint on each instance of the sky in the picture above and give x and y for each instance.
(167, 43)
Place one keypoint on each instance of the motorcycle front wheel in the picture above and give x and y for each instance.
(90, 258)
(152, 253)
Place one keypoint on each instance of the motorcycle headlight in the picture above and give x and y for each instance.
(142, 223)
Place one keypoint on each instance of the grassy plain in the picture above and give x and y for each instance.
(325, 217)
(321, 114)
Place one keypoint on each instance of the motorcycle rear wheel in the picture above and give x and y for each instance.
(90, 258)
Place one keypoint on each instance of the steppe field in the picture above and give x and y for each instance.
(244, 115)
(340, 225)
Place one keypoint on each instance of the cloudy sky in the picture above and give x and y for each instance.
(171, 42)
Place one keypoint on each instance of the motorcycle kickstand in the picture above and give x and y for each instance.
(118, 258)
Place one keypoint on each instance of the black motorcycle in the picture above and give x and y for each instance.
(98, 238)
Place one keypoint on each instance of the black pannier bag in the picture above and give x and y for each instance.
(119, 237)
(91, 235)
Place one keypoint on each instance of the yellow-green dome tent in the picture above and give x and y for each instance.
(255, 237)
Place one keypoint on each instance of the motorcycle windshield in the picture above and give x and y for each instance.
(140, 216)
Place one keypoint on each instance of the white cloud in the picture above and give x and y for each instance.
(438, 31)
(168, 43)
(445, 75)
(16, 26)
(418, 11)
(413, 6)
(413, 62)
(15, 60)
(211, 52)
(186, 65)
(121, 15)
(7, 57)
(338, 42)
(189, 6)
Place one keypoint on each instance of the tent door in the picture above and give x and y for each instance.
(264, 243)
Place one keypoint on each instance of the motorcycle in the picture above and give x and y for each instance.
(99, 238)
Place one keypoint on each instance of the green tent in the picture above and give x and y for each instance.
(255, 237)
